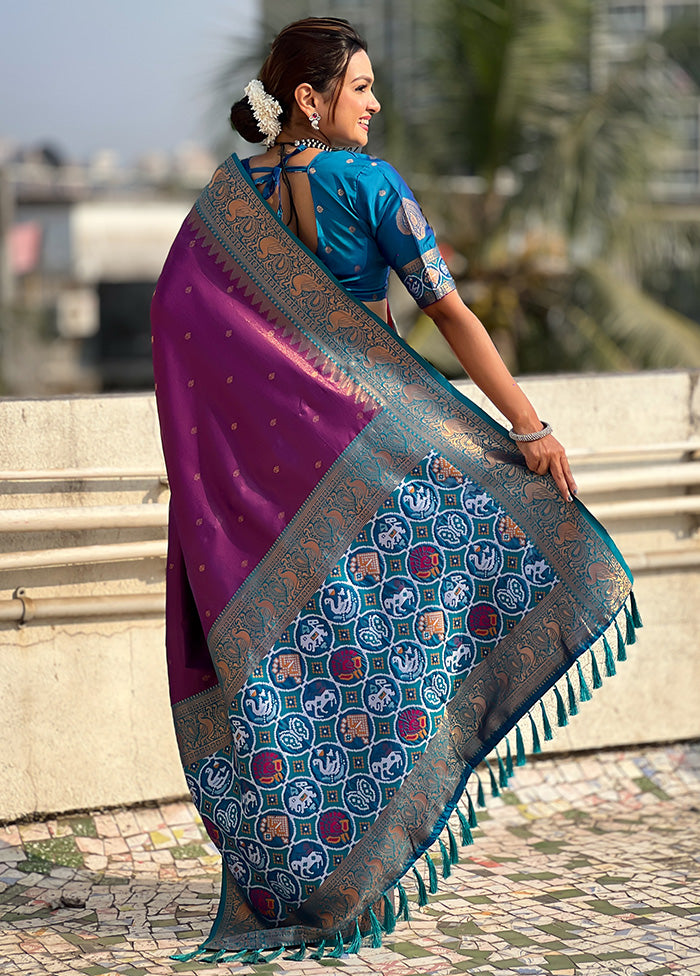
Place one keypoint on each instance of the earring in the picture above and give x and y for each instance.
(314, 119)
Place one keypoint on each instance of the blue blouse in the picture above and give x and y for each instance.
(367, 221)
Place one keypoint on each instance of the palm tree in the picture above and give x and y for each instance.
(556, 265)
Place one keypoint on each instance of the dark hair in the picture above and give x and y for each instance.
(314, 51)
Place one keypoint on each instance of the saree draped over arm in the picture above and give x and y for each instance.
(367, 589)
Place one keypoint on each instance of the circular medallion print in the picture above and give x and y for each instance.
(268, 767)
(307, 860)
(460, 654)
(391, 533)
(302, 797)
(381, 695)
(436, 690)
(238, 867)
(484, 559)
(536, 569)
(452, 530)
(418, 500)
(476, 502)
(413, 725)
(431, 626)
(227, 815)
(347, 665)
(265, 903)
(399, 597)
(484, 622)
(456, 591)
(373, 631)
(193, 787)
(295, 734)
(354, 730)
(285, 886)
(407, 661)
(509, 533)
(512, 594)
(251, 801)
(328, 764)
(287, 669)
(340, 603)
(387, 761)
(365, 567)
(444, 474)
(216, 776)
(241, 736)
(254, 853)
(425, 563)
(313, 635)
(321, 699)
(275, 830)
(335, 828)
(261, 703)
(361, 795)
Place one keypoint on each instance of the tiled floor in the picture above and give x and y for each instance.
(588, 865)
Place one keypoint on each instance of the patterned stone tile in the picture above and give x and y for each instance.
(588, 867)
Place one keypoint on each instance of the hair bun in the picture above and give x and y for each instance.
(243, 121)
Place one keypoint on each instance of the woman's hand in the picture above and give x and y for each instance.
(548, 455)
(477, 353)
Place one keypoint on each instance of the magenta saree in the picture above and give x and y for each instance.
(367, 590)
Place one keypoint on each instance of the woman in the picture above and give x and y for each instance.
(368, 586)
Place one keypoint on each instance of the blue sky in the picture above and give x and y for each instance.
(127, 75)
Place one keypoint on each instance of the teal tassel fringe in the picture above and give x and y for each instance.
(636, 616)
(467, 838)
(562, 717)
(536, 744)
(299, 955)
(446, 866)
(480, 798)
(573, 704)
(355, 943)
(404, 912)
(376, 930)
(519, 747)
(338, 949)
(630, 636)
(509, 759)
(186, 956)
(318, 954)
(545, 723)
(494, 784)
(422, 893)
(432, 875)
(610, 669)
(502, 772)
(597, 680)
(389, 915)
(583, 689)
(621, 649)
(454, 853)
(473, 822)
(254, 958)
(274, 954)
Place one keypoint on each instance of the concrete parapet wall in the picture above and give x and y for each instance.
(85, 720)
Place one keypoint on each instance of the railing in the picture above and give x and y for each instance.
(659, 482)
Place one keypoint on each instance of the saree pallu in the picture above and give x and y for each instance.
(367, 589)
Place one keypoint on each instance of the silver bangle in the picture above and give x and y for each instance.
(534, 435)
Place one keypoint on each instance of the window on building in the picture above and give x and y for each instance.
(626, 18)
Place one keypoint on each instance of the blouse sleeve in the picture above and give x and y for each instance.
(403, 235)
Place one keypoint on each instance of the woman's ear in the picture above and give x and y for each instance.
(306, 99)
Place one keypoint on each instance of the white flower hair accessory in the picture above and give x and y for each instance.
(266, 109)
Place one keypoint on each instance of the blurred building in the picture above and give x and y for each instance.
(621, 26)
(81, 247)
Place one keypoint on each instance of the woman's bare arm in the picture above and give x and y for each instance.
(473, 347)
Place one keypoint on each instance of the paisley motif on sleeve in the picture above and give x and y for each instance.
(410, 219)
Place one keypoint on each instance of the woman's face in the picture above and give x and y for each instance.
(355, 106)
